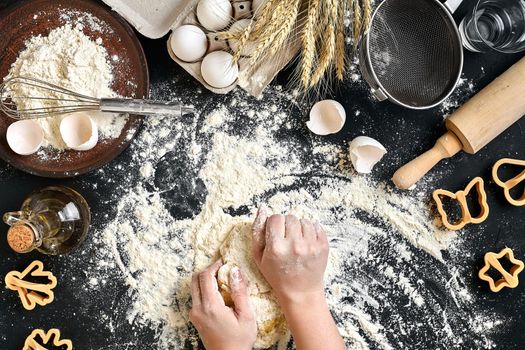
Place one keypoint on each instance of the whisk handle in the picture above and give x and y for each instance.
(143, 107)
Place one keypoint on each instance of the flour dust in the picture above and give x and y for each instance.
(392, 276)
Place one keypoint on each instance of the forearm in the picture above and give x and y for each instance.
(312, 325)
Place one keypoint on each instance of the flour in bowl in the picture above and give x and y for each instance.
(70, 59)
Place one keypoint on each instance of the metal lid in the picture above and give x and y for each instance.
(21, 238)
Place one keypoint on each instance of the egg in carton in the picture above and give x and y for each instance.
(155, 18)
(214, 66)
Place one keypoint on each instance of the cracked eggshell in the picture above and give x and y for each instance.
(25, 137)
(365, 152)
(79, 131)
(326, 117)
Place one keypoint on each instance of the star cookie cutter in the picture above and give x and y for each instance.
(509, 278)
(32, 293)
(32, 344)
(510, 183)
(461, 197)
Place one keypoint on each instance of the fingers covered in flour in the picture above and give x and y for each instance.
(293, 228)
(209, 288)
(275, 230)
(239, 293)
(259, 233)
(219, 326)
(195, 291)
(308, 229)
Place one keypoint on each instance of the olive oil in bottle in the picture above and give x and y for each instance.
(53, 221)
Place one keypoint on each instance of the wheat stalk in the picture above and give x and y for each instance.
(272, 18)
(286, 27)
(340, 56)
(272, 30)
(308, 41)
(367, 14)
(358, 22)
(229, 35)
(242, 43)
(326, 57)
(340, 53)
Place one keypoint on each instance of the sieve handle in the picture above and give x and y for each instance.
(410, 173)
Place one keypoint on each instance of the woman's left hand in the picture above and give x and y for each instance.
(221, 327)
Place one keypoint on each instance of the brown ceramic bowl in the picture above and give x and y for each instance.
(28, 18)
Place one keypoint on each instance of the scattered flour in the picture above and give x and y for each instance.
(388, 283)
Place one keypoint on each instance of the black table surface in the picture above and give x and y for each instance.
(416, 131)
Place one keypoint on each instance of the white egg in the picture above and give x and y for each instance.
(326, 117)
(25, 137)
(189, 43)
(240, 26)
(365, 152)
(214, 15)
(218, 70)
(79, 131)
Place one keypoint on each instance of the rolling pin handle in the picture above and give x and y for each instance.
(410, 173)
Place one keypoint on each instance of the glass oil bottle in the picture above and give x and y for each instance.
(53, 221)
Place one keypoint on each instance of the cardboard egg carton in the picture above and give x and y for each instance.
(156, 18)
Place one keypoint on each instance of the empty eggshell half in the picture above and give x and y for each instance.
(79, 131)
(25, 137)
(365, 152)
(326, 117)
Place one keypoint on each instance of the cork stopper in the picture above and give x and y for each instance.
(21, 238)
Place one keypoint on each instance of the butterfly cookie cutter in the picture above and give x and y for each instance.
(32, 293)
(509, 278)
(510, 183)
(31, 342)
(461, 197)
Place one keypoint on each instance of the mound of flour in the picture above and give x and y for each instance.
(70, 59)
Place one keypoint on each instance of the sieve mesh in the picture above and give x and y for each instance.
(415, 51)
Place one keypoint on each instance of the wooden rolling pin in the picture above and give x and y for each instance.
(483, 117)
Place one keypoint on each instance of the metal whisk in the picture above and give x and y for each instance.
(56, 100)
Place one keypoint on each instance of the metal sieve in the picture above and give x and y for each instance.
(412, 53)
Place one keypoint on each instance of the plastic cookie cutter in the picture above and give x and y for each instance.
(509, 278)
(32, 293)
(510, 183)
(461, 197)
(39, 340)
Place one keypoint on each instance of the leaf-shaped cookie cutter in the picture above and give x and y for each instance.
(510, 183)
(461, 197)
(509, 278)
(31, 293)
(32, 344)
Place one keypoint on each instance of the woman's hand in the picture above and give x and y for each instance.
(221, 327)
(292, 255)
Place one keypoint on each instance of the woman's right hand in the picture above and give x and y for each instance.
(291, 254)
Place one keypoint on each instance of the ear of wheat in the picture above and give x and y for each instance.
(320, 27)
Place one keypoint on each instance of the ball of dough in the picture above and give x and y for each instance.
(236, 251)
